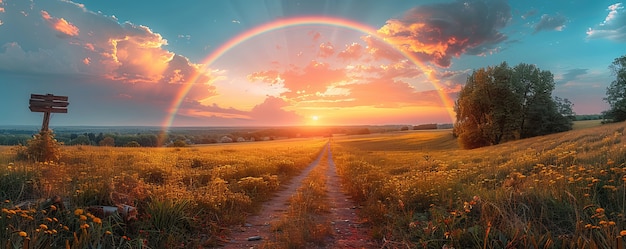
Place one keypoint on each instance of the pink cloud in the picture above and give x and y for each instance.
(314, 78)
(272, 111)
(353, 51)
(326, 50)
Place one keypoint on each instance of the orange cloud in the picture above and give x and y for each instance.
(60, 24)
(439, 32)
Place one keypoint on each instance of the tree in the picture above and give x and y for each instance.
(80, 140)
(487, 110)
(616, 92)
(499, 104)
(107, 141)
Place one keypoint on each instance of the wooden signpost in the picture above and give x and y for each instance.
(48, 104)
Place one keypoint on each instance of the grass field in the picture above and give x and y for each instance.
(559, 191)
(415, 189)
(186, 197)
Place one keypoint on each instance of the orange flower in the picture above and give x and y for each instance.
(97, 220)
(622, 233)
(23, 234)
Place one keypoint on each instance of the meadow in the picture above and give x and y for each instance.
(413, 189)
(185, 197)
(419, 190)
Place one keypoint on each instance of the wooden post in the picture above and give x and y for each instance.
(48, 104)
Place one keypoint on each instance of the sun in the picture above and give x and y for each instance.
(315, 118)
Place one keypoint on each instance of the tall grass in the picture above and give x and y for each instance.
(562, 190)
(304, 224)
(186, 197)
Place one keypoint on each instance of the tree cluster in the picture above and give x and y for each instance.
(501, 103)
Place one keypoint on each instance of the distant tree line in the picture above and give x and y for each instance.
(502, 103)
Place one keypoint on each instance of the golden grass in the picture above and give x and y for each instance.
(304, 223)
(420, 190)
(221, 184)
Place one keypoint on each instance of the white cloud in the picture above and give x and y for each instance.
(613, 27)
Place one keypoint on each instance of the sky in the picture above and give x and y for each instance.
(284, 63)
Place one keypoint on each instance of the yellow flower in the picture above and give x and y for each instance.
(23, 234)
(78, 212)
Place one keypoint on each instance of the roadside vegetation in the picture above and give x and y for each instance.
(184, 197)
(419, 190)
(304, 224)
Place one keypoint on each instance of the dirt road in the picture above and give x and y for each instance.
(347, 231)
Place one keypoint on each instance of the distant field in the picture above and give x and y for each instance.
(564, 190)
(586, 124)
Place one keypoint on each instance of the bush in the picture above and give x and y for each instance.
(43, 147)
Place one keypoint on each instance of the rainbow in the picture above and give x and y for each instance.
(297, 21)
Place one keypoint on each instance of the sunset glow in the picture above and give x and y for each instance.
(238, 63)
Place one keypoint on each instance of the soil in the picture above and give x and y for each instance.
(348, 232)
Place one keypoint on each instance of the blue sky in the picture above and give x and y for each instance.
(126, 62)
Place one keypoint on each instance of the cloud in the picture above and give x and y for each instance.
(353, 51)
(326, 50)
(272, 112)
(65, 38)
(530, 13)
(547, 22)
(65, 28)
(571, 74)
(438, 32)
(314, 78)
(613, 27)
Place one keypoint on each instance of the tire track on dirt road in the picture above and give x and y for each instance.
(347, 230)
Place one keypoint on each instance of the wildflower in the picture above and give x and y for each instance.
(53, 207)
(43, 226)
(97, 220)
(23, 234)
(599, 210)
(83, 218)
(78, 212)
(108, 233)
(84, 226)
(622, 233)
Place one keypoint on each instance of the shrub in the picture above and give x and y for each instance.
(43, 147)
